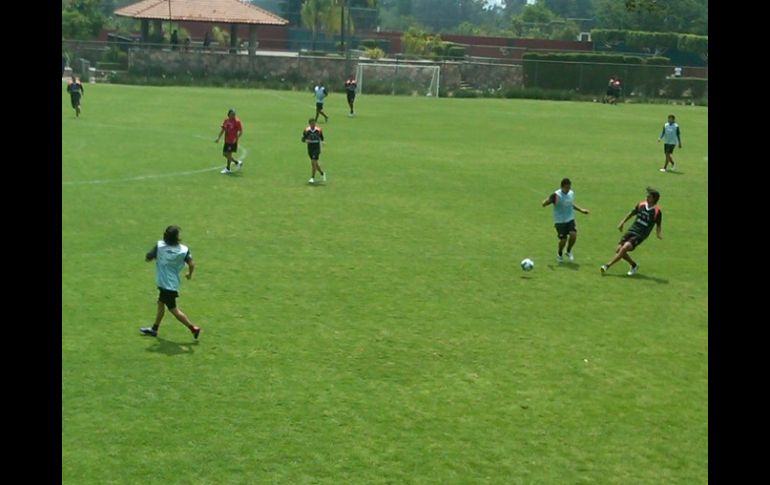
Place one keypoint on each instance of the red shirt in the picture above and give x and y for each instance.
(232, 127)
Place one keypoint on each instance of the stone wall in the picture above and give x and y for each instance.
(299, 71)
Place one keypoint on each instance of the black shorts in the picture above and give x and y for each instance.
(632, 237)
(75, 99)
(314, 150)
(168, 297)
(564, 228)
(351, 96)
(230, 148)
(668, 149)
(319, 106)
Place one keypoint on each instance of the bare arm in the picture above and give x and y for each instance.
(190, 268)
(551, 199)
(221, 132)
(625, 219)
(584, 211)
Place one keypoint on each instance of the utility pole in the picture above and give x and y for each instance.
(342, 26)
(346, 28)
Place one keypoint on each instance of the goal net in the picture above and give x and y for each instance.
(410, 79)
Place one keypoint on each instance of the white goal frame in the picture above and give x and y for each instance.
(433, 70)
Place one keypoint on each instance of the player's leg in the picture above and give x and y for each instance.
(571, 244)
(621, 253)
(182, 317)
(161, 310)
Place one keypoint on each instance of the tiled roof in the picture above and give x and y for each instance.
(224, 11)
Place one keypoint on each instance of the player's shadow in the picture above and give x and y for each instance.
(163, 346)
(639, 276)
(676, 172)
(566, 265)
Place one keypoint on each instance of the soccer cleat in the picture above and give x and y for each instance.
(673, 167)
(196, 331)
(633, 270)
(559, 258)
(323, 176)
(571, 256)
(240, 164)
(311, 181)
(225, 171)
(662, 169)
(149, 331)
(604, 269)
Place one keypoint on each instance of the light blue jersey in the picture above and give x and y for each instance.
(563, 210)
(670, 134)
(320, 94)
(169, 261)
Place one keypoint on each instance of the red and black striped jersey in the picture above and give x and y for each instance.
(313, 134)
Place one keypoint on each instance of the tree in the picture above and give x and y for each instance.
(81, 19)
(682, 16)
(321, 15)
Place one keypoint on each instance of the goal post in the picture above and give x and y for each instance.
(408, 79)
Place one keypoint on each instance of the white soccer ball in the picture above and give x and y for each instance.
(527, 264)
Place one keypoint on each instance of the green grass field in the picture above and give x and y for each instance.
(378, 328)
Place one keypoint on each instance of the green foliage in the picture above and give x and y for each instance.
(537, 13)
(588, 73)
(422, 44)
(321, 16)
(653, 41)
(657, 61)
(697, 44)
(81, 19)
(221, 36)
(454, 51)
(685, 87)
(369, 43)
(114, 55)
(374, 53)
(608, 36)
(683, 16)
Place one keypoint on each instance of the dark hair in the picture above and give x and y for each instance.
(171, 235)
(672, 116)
(230, 111)
(565, 181)
(311, 120)
(654, 193)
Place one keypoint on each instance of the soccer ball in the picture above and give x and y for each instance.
(527, 264)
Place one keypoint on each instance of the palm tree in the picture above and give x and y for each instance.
(321, 15)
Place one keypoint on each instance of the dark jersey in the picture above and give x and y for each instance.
(75, 88)
(313, 135)
(646, 218)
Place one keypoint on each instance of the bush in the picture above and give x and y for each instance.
(375, 53)
(455, 52)
(369, 43)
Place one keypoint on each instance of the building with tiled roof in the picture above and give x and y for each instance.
(232, 12)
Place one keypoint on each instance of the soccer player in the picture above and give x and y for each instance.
(563, 201)
(75, 88)
(232, 129)
(350, 90)
(313, 136)
(320, 95)
(170, 257)
(671, 136)
(648, 214)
